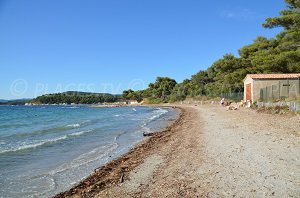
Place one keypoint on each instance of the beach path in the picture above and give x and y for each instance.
(219, 153)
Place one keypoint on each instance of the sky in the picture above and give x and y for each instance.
(53, 46)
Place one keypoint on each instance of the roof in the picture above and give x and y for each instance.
(273, 76)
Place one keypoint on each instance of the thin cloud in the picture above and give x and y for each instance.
(244, 14)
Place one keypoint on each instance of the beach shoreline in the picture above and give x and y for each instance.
(208, 152)
(117, 170)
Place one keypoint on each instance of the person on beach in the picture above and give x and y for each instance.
(222, 102)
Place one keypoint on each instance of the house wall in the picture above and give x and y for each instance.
(294, 91)
(273, 89)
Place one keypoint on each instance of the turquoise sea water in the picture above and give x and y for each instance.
(47, 149)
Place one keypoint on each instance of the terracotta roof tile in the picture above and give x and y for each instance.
(273, 76)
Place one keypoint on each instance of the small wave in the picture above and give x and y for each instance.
(159, 112)
(117, 115)
(58, 129)
(86, 158)
(73, 125)
(70, 107)
(118, 136)
(79, 133)
(36, 144)
(33, 145)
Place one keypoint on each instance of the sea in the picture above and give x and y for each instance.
(45, 150)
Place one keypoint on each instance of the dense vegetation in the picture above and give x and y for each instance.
(276, 55)
(157, 92)
(75, 97)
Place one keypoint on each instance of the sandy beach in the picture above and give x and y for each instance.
(207, 152)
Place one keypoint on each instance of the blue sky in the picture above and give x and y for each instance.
(107, 46)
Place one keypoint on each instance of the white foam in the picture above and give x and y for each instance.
(73, 125)
(36, 144)
(69, 107)
(32, 145)
(79, 133)
(159, 112)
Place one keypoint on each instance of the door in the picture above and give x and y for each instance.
(248, 92)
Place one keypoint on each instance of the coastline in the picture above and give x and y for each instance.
(207, 152)
(117, 170)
